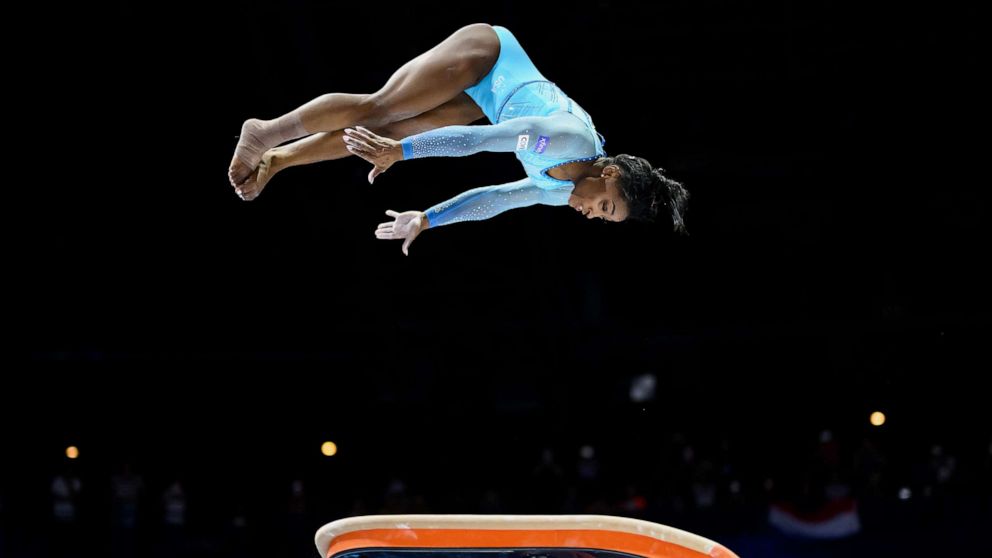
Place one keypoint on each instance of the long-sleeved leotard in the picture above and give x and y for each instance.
(539, 142)
(531, 117)
(489, 201)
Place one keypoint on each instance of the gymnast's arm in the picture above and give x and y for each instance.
(489, 201)
(473, 205)
(558, 135)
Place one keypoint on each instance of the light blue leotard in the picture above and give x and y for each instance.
(531, 117)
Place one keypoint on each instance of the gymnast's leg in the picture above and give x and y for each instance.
(424, 83)
(327, 146)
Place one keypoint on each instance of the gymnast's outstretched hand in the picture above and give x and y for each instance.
(406, 225)
(381, 152)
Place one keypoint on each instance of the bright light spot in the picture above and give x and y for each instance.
(877, 418)
(587, 452)
(735, 487)
(328, 448)
(905, 493)
(642, 388)
(72, 452)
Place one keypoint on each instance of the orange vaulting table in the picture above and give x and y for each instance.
(509, 536)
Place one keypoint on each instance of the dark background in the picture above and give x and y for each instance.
(835, 266)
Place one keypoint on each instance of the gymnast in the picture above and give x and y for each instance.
(480, 71)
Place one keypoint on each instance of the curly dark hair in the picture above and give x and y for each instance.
(648, 191)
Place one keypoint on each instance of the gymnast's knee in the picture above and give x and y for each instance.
(374, 112)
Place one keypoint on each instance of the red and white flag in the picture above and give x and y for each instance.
(834, 520)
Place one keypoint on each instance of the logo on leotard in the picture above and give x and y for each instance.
(498, 83)
(542, 144)
(522, 142)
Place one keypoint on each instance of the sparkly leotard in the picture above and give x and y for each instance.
(531, 117)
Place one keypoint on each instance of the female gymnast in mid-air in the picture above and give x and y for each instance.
(479, 71)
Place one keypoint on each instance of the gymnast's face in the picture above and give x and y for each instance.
(599, 197)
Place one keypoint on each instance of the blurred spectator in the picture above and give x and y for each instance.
(490, 503)
(704, 487)
(173, 520)
(868, 465)
(588, 466)
(65, 488)
(634, 503)
(126, 490)
(548, 484)
(236, 535)
(174, 504)
(396, 500)
(297, 529)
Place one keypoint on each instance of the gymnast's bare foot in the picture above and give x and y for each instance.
(258, 136)
(251, 146)
(256, 181)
